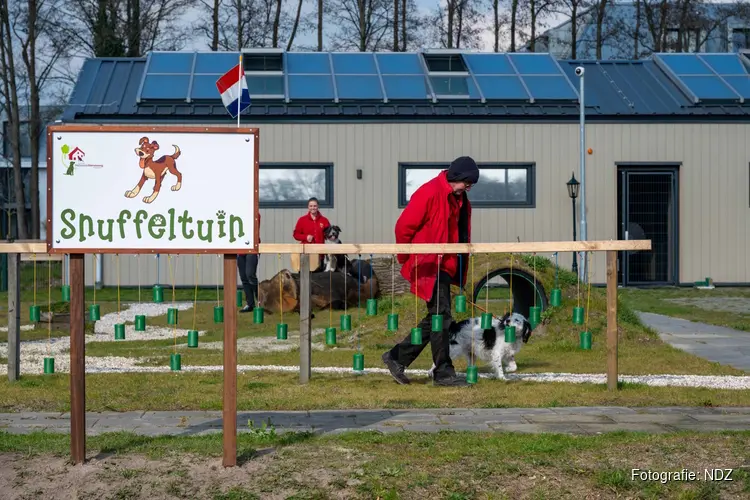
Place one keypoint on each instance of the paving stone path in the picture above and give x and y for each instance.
(566, 420)
(714, 343)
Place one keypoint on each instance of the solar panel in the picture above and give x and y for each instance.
(406, 87)
(550, 88)
(310, 87)
(171, 62)
(215, 63)
(165, 87)
(359, 87)
(399, 64)
(502, 87)
(354, 64)
(308, 63)
(489, 64)
(454, 86)
(707, 77)
(534, 64)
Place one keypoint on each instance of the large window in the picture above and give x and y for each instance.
(500, 185)
(290, 185)
(740, 39)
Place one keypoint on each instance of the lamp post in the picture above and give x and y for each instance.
(573, 186)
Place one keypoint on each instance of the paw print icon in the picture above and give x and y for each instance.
(221, 214)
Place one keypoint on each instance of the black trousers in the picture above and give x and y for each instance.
(248, 267)
(405, 353)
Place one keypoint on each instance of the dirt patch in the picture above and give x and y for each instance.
(266, 475)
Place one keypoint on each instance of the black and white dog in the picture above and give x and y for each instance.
(333, 262)
(489, 345)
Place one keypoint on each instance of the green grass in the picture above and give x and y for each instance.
(691, 304)
(406, 465)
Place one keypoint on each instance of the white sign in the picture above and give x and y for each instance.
(152, 189)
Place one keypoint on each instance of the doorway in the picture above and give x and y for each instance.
(647, 208)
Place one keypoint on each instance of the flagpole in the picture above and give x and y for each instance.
(239, 102)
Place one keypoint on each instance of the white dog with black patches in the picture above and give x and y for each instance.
(489, 345)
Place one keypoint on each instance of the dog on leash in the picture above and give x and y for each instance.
(489, 345)
(333, 262)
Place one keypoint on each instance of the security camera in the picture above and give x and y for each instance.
(580, 71)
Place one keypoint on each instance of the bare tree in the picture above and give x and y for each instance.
(10, 91)
(575, 11)
(538, 10)
(458, 24)
(362, 24)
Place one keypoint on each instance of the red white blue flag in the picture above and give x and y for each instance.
(234, 92)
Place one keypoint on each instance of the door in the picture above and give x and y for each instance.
(648, 209)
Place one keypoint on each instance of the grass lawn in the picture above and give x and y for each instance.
(721, 306)
(553, 348)
(449, 465)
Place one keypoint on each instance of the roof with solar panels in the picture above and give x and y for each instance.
(430, 85)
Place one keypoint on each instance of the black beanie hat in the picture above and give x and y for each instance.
(463, 168)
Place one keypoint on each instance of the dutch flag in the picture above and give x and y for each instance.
(234, 92)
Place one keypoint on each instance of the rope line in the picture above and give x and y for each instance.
(578, 286)
(416, 293)
(557, 269)
(171, 278)
(93, 277)
(371, 276)
(359, 298)
(34, 257)
(471, 258)
(218, 265)
(195, 296)
(393, 281)
(588, 298)
(487, 287)
(281, 305)
(49, 305)
(535, 292)
(510, 286)
(330, 299)
(117, 259)
(437, 284)
(138, 259)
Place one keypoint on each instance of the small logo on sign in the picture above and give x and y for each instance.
(74, 158)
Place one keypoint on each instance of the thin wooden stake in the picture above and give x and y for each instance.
(230, 361)
(612, 320)
(77, 360)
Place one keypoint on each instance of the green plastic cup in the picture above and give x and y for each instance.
(510, 334)
(471, 374)
(175, 362)
(258, 315)
(585, 340)
(331, 335)
(346, 322)
(192, 338)
(416, 336)
(49, 366)
(172, 316)
(140, 323)
(437, 322)
(120, 331)
(555, 297)
(218, 314)
(94, 312)
(461, 303)
(359, 362)
(372, 307)
(158, 294)
(282, 331)
(393, 322)
(578, 315)
(486, 321)
(35, 313)
(66, 293)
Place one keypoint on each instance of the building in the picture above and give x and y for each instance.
(712, 27)
(669, 154)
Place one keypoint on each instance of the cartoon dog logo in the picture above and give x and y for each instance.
(155, 169)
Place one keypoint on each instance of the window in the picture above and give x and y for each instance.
(691, 40)
(25, 141)
(290, 185)
(500, 185)
(740, 39)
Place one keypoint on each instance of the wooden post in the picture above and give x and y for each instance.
(77, 360)
(230, 361)
(305, 326)
(612, 320)
(14, 316)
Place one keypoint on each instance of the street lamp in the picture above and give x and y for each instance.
(573, 186)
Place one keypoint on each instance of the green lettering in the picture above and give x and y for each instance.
(240, 231)
(140, 216)
(81, 220)
(184, 219)
(108, 236)
(121, 222)
(209, 236)
(67, 216)
(156, 221)
(171, 224)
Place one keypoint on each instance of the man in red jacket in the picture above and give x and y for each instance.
(424, 221)
(310, 227)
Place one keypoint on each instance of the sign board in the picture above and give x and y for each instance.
(116, 189)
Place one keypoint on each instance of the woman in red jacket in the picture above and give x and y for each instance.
(424, 221)
(311, 227)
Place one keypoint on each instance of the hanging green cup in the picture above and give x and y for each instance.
(372, 307)
(331, 335)
(281, 331)
(140, 323)
(535, 315)
(585, 340)
(218, 314)
(416, 336)
(35, 313)
(346, 322)
(49, 366)
(172, 316)
(158, 294)
(66, 293)
(359, 362)
(510, 334)
(437, 322)
(461, 303)
(239, 298)
(555, 297)
(119, 331)
(94, 312)
(578, 315)
(486, 321)
(175, 362)
(471, 374)
(192, 338)
(393, 322)
(258, 315)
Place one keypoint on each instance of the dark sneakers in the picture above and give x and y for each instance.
(247, 308)
(396, 369)
(451, 381)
